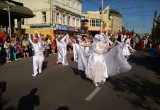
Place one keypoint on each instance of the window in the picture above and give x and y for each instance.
(57, 17)
(98, 22)
(60, 18)
(73, 22)
(78, 6)
(74, 4)
(92, 22)
(65, 2)
(78, 22)
(95, 22)
(44, 17)
(70, 3)
(68, 22)
(63, 19)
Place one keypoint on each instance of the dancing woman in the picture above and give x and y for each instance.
(96, 69)
(105, 60)
(62, 42)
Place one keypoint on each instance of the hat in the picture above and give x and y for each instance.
(97, 36)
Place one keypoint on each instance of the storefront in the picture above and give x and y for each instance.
(62, 30)
(67, 30)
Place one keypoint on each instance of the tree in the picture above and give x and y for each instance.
(114, 12)
(123, 29)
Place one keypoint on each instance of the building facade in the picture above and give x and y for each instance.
(111, 23)
(94, 21)
(115, 24)
(53, 16)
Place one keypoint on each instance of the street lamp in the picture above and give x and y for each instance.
(9, 15)
(101, 27)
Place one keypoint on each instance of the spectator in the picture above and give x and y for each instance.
(25, 45)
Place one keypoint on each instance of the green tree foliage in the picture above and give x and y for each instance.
(114, 12)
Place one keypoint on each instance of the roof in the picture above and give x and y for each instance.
(17, 10)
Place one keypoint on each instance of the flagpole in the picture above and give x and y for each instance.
(101, 17)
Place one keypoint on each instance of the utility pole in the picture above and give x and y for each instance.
(51, 19)
(126, 25)
(101, 16)
(9, 16)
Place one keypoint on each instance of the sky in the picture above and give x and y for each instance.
(137, 15)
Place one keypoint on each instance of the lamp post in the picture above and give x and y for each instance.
(9, 17)
(101, 17)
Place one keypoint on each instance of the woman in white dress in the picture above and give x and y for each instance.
(105, 60)
(75, 50)
(62, 42)
(96, 69)
(126, 51)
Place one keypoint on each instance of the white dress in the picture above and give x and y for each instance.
(103, 63)
(75, 50)
(96, 69)
(82, 57)
(62, 50)
(126, 51)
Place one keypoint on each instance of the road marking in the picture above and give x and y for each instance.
(93, 94)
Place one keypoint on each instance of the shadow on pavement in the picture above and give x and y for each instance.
(62, 108)
(142, 93)
(2, 90)
(29, 101)
(44, 65)
(3, 102)
(80, 73)
(147, 61)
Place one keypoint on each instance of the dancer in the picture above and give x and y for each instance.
(38, 56)
(105, 60)
(127, 49)
(96, 69)
(75, 50)
(83, 54)
(62, 42)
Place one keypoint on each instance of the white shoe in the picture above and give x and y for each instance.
(40, 71)
(34, 75)
(96, 84)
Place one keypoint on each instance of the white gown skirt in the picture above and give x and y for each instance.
(126, 51)
(96, 69)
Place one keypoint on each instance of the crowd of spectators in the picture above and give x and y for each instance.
(20, 47)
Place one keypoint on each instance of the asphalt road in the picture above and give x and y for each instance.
(65, 88)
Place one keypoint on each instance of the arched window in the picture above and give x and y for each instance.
(44, 17)
(63, 19)
(68, 22)
(73, 21)
(78, 22)
(57, 17)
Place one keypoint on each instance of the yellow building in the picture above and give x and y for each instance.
(94, 21)
(115, 24)
(111, 23)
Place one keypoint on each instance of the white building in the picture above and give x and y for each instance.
(50, 15)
